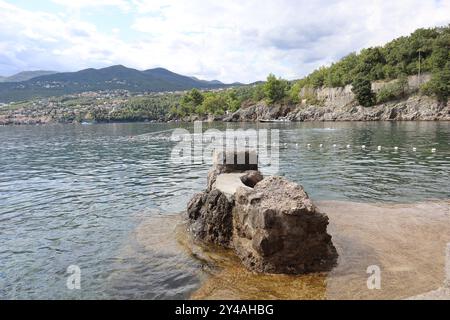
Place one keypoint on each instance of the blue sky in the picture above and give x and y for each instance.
(231, 40)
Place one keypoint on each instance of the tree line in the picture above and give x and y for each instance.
(424, 51)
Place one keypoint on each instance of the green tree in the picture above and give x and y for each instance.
(362, 88)
(214, 104)
(194, 97)
(439, 85)
(275, 89)
(233, 103)
(258, 93)
(294, 92)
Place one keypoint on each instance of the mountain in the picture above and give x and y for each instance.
(207, 81)
(26, 75)
(110, 78)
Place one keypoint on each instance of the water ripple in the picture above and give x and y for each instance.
(75, 195)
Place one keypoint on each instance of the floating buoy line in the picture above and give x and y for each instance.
(322, 146)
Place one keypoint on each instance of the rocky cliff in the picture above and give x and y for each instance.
(413, 108)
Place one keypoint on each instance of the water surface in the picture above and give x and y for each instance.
(76, 195)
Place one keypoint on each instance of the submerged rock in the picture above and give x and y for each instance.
(271, 223)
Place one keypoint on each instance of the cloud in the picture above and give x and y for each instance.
(287, 37)
(39, 40)
(83, 4)
(229, 40)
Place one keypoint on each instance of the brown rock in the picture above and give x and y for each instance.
(251, 178)
(279, 230)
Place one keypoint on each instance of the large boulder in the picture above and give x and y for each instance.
(271, 223)
(277, 229)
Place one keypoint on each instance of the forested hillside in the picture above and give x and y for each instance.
(425, 50)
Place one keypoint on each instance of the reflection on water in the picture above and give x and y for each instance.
(78, 195)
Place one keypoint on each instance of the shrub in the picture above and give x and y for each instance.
(362, 88)
(393, 91)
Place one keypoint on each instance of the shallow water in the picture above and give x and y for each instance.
(407, 242)
(79, 195)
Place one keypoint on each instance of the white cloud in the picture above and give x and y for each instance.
(248, 39)
(81, 4)
(229, 40)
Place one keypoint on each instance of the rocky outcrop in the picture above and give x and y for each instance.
(271, 223)
(277, 229)
(410, 109)
(260, 111)
(339, 104)
(414, 108)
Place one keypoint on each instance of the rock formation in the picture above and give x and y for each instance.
(277, 229)
(210, 212)
(271, 223)
(411, 109)
(339, 104)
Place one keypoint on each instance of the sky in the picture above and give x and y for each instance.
(228, 40)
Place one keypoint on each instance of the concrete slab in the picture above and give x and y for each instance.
(228, 183)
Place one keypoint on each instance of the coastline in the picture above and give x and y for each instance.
(413, 108)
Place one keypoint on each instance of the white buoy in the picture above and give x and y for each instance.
(348, 146)
(396, 148)
(296, 145)
(433, 150)
(309, 145)
(363, 147)
(379, 148)
(321, 145)
(414, 149)
(334, 146)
